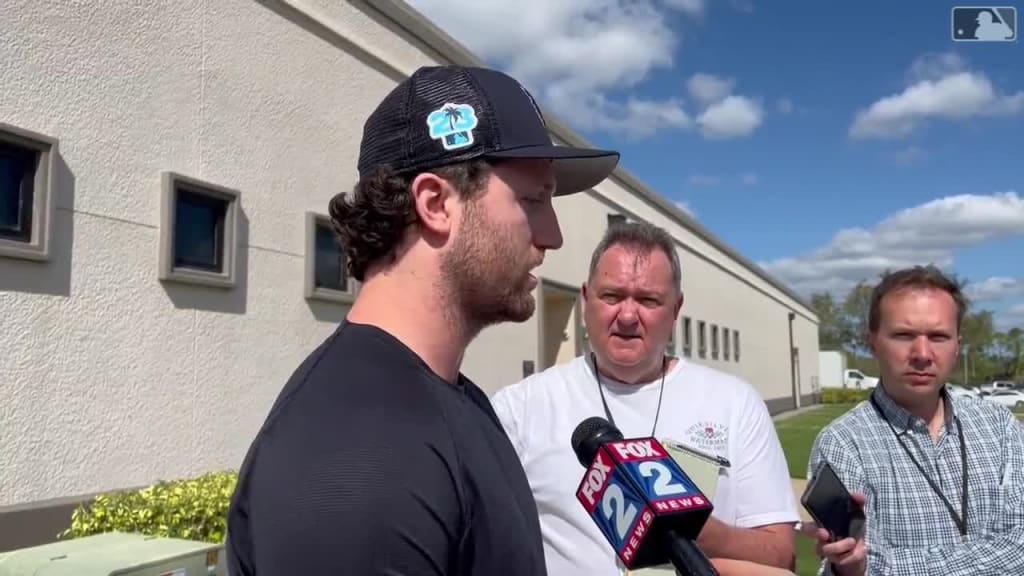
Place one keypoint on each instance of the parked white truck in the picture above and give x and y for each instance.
(833, 373)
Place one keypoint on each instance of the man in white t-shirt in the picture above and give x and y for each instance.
(631, 302)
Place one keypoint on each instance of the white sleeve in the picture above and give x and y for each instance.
(507, 405)
(762, 488)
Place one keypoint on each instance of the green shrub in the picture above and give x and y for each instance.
(193, 509)
(843, 395)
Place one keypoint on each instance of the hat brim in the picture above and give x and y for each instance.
(576, 169)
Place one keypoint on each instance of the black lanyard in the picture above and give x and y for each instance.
(959, 519)
(608, 413)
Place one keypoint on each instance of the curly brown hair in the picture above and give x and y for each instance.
(369, 221)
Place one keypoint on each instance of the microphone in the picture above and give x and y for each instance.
(648, 509)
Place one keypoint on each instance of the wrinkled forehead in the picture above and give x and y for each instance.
(629, 266)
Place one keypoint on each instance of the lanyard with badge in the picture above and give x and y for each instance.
(959, 519)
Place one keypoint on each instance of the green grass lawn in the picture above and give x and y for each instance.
(798, 432)
(797, 436)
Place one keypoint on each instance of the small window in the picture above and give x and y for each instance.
(670, 348)
(614, 219)
(198, 232)
(725, 343)
(687, 337)
(714, 342)
(702, 339)
(327, 275)
(26, 197)
(736, 345)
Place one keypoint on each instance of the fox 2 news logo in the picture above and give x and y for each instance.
(984, 24)
(608, 493)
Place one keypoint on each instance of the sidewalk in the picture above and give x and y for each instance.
(802, 410)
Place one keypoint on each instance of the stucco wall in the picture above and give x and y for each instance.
(111, 378)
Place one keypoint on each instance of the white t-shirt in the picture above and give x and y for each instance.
(702, 407)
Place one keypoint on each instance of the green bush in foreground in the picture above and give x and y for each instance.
(844, 395)
(192, 509)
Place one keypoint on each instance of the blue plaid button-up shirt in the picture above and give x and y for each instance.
(909, 530)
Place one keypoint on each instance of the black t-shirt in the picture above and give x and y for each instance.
(370, 464)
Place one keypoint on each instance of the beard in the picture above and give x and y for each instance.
(485, 276)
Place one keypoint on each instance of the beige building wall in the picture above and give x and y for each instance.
(112, 378)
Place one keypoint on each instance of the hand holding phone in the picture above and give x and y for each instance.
(832, 506)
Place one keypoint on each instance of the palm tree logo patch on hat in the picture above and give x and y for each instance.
(453, 125)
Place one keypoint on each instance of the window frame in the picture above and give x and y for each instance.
(227, 277)
(687, 336)
(310, 289)
(702, 338)
(39, 247)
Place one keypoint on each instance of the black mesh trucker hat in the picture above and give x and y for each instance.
(446, 114)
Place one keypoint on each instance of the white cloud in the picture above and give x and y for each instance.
(995, 288)
(709, 180)
(733, 117)
(585, 60)
(685, 207)
(941, 87)
(707, 88)
(929, 233)
(580, 58)
(692, 7)
(725, 114)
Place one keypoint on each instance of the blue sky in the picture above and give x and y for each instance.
(823, 146)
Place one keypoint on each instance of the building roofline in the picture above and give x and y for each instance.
(417, 25)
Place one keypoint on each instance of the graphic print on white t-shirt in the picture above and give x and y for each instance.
(709, 435)
(713, 411)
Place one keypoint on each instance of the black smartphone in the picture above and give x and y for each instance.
(828, 501)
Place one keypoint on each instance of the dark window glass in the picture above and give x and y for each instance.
(199, 231)
(329, 270)
(17, 188)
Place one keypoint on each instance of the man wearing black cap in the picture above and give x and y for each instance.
(379, 457)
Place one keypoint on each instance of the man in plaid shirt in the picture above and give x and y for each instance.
(940, 477)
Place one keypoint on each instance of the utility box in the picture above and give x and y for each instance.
(117, 554)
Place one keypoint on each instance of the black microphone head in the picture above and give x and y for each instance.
(589, 435)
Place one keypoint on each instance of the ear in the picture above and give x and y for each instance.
(583, 291)
(679, 304)
(432, 198)
(869, 340)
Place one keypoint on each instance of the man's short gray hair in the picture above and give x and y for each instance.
(643, 236)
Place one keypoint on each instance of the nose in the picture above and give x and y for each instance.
(627, 316)
(547, 234)
(921, 351)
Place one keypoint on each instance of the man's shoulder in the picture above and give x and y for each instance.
(848, 426)
(357, 385)
(723, 384)
(548, 380)
(979, 410)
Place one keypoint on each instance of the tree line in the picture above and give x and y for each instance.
(987, 354)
